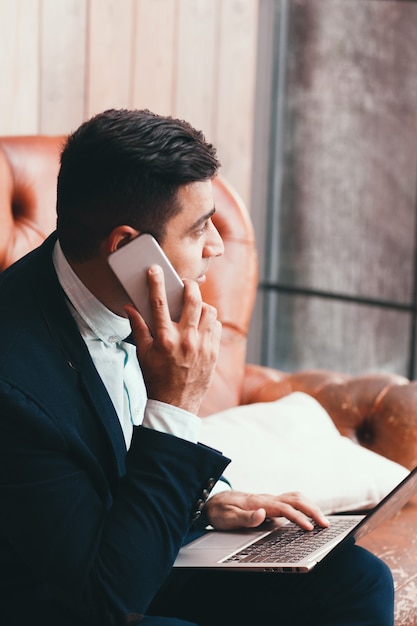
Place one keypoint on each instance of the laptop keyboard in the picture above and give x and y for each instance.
(289, 544)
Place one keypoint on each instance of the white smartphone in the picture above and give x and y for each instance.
(130, 264)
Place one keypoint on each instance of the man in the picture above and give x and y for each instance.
(101, 473)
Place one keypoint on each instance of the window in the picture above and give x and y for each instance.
(337, 115)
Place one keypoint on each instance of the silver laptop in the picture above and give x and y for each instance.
(281, 546)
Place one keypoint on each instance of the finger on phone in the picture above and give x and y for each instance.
(191, 312)
(157, 298)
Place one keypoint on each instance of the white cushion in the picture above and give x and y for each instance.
(292, 444)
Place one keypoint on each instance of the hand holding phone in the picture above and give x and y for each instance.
(130, 264)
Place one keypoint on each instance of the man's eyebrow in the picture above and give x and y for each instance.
(202, 219)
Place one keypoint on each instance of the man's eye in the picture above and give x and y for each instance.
(204, 227)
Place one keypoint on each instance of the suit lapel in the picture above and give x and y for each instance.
(68, 340)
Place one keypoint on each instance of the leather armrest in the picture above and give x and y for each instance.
(378, 411)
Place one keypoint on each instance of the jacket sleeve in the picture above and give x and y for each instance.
(105, 549)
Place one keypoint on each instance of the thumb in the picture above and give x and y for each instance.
(255, 518)
(140, 330)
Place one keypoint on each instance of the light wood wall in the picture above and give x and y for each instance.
(62, 61)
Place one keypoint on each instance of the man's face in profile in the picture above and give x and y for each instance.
(191, 238)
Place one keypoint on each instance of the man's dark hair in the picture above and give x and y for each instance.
(125, 167)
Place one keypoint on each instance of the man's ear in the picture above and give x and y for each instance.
(119, 237)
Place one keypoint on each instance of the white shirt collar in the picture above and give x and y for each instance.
(106, 325)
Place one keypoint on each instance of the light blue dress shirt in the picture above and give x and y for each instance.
(104, 333)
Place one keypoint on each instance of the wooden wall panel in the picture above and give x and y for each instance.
(154, 59)
(19, 66)
(62, 61)
(235, 94)
(197, 63)
(109, 55)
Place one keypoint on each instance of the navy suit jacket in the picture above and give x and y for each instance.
(88, 531)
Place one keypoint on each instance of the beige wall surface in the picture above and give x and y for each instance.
(62, 61)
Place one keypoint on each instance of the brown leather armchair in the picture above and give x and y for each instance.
(378, 411)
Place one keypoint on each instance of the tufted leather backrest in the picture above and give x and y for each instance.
(28, 172)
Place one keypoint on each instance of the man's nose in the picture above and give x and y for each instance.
(214, 244)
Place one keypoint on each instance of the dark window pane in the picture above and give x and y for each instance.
(350, 338)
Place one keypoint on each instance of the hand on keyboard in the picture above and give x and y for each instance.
(235, 509)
